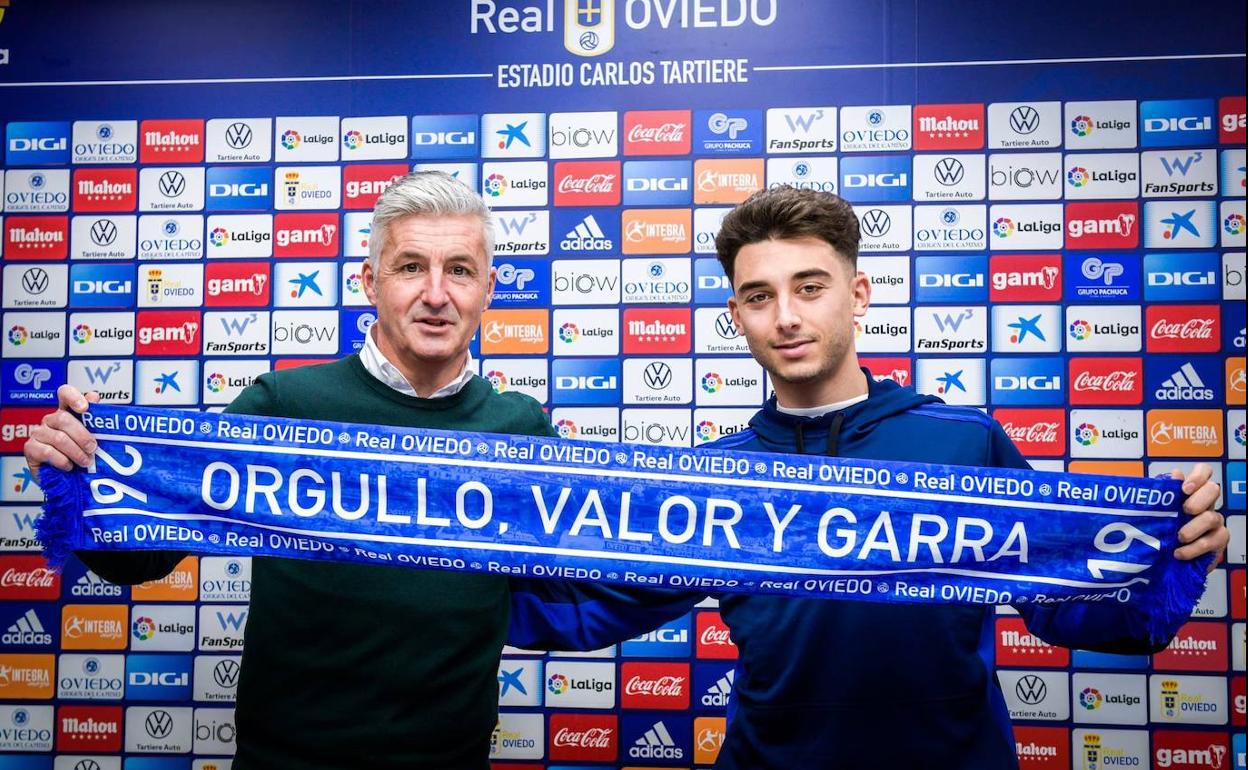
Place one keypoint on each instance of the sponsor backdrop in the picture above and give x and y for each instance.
(1052, 205)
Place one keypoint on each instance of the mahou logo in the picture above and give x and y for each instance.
(1026, 278)
(236, 284)
(28, 577)
(948, 126)
(657, 330)
(305, 235)
(167, 333)
(362, 185)
(1036, 432)
(658, 132)
(1183, 329)
(584, 737)
(714, 640)
(1016, 646)
(1042, 748)
(1106, 381)
(587, 183)
(1113, 225)
(1196, 647)
(171, 141)
(106, 189)
(36, 238)
(899, 370)
(89, 728)
(655, 686)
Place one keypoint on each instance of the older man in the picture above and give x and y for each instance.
(349, 666)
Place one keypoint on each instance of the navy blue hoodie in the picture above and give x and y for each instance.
(825, 684)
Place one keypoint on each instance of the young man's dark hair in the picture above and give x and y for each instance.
(786, 213)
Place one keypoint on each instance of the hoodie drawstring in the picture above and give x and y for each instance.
(834, 434)
(801, 440)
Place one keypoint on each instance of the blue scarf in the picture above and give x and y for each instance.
(711, 520)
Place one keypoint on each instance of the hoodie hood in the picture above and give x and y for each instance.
(825, 434)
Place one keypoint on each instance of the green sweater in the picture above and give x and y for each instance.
(349, 666)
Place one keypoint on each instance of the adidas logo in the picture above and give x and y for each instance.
(717, 694)
(91, 584)
(656, 743)
(1184, 385)
(27, 630)
(587, 236)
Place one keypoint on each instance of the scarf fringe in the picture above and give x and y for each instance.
(60, 525)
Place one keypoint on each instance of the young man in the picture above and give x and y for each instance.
(841, 684)
(349, 665)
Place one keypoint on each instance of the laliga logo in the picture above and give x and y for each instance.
(291, 139)
(1003, 227)
(569, 332)
(1087, 434)
(566, 428)
(557, 684)
(497, 380)
(707, 431)
(495, 185)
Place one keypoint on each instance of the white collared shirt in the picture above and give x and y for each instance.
(377, 365)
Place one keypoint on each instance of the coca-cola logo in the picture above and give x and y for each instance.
(595, 183)
(1039, 432)
(39, 577)
(664, 132)
(590, 738)
(713, 635)
(670, 686)
(1192, 329)
(1119, 381)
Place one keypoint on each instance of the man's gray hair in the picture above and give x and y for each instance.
(427, 193)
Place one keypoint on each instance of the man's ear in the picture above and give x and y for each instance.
(860, 293)
(369, 279)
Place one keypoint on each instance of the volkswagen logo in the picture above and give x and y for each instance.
(159, 724)
(225, 673)
(949, 171)
(238, 135)
(103, 232)
(35, 280)
(172, 184)
(1024, 119)
(658, 375)
(1031, 689)
(725, 328)
(86, 764)
(876, 222)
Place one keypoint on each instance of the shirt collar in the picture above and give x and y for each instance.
(376, 364)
